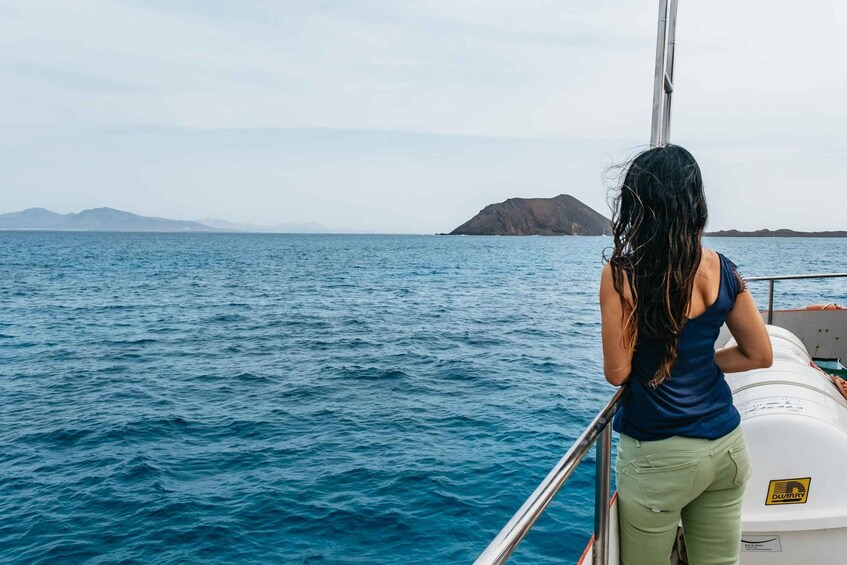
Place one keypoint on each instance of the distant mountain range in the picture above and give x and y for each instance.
(109, 219)
(561, 215)
(97, 219)
(777, 233)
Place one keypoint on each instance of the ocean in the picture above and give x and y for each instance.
(223, 398)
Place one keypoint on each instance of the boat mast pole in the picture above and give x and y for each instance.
(660, 131)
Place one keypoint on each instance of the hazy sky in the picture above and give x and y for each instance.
(410, 116)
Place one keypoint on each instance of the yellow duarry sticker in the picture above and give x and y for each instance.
(788, 491)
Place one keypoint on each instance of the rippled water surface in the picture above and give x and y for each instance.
(219, 398)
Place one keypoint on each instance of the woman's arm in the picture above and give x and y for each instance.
(754, 345)
(617, 361)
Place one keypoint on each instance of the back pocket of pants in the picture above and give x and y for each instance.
(667, 484)
(741, 457)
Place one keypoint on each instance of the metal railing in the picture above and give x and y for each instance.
(499, 550)
(771, 281)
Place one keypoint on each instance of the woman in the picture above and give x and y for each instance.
(663, 299)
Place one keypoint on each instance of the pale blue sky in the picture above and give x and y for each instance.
(412, 116)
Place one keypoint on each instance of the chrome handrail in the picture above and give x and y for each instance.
(501, 548)
(788, 277)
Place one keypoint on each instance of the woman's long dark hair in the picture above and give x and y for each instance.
(658, 221)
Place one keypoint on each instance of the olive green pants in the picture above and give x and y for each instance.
(698, 481)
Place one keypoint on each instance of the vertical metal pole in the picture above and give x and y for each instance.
(770, 302)
(601, 497)
(668, 78)
(659, 78)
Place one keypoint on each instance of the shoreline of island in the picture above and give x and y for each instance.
(777, 233)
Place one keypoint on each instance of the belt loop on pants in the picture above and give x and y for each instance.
(637, 443)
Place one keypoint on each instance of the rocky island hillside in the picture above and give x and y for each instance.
(561, 215)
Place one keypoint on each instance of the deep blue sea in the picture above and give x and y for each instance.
(215, 398)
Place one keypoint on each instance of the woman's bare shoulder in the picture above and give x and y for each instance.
(711, 254)
(710, 263)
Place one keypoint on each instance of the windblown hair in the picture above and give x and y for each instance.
(658, 222)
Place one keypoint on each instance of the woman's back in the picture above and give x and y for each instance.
(695, 400)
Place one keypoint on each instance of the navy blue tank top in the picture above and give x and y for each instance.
(696, 400)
